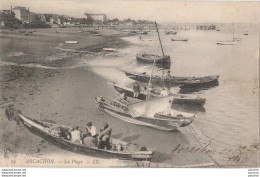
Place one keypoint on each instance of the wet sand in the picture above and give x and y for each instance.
(49, 84)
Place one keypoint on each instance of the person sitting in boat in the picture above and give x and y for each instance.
(65, 133)
(104, 137)
(136, 89)
(76, 136)
(164, 92)
(55, 130)
(89, 138)
(122, 96)
(166, 73)
(91, 130)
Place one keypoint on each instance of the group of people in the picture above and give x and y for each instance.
(89, 137)
(137, 90)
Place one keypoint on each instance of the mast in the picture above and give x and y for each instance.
(233, 32)
(159, 38)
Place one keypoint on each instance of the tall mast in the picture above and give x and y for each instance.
(159, 38)
(233, 32)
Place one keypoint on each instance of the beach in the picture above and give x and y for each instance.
(49, 80)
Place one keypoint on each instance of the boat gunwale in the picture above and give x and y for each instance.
(57, 139)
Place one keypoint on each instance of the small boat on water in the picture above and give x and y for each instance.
(96, 34)
(109, 49)
(136, 113)
(171, 32)
(151, 58)
(188, 99)
(182, 82)
(179, 39)
(226, 42)
(71, 42)
(42, 129)
(231, 42)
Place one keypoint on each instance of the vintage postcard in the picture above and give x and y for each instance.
(126, 83)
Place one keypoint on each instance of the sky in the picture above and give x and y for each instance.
(163, 11)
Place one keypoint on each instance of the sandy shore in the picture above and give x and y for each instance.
(47, 46)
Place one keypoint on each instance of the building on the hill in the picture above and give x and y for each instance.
(96, 18)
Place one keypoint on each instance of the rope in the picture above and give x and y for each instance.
(203, 148)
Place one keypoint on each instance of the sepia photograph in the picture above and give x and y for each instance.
(127, 83)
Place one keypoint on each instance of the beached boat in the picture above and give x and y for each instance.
(151, 58)
(179, 39)
(42, 129)
(183, 82)
(188, 99)
(161, 120)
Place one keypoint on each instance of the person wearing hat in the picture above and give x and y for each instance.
(137, 90)
(76, 136)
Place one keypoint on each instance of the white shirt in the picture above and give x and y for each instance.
(92, 130)
(75, 135)
(164, 93)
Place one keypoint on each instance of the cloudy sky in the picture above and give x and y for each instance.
(163, 11)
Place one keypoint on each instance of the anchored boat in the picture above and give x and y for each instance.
(188, 99)
(151, 58)
(183, 82)
(138, 113)
(179, 39)
(42, 129)
(171, 32)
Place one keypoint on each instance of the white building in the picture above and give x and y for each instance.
(97, 18)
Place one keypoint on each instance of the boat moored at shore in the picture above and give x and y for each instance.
(42, 129)
(163, 120)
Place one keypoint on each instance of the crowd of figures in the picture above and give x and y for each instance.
(89, 137)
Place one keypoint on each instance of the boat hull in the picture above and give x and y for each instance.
(177, 98)
(163, 61)
(184, 40)
(226, 43)
(158, 122)
(41, 131)
(183, 82)
(170, 32)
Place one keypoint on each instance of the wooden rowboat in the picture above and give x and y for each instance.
(188, 99)
(183, 82)
(151, 58)
(226, 42)
(71, 42)
(179, 39)
(160, 121)
(170, 32)
(42, 129)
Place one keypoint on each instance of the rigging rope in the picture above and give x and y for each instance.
(204, 147)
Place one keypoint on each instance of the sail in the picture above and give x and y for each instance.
(150, 107)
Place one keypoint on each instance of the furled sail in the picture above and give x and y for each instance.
(150, 107)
